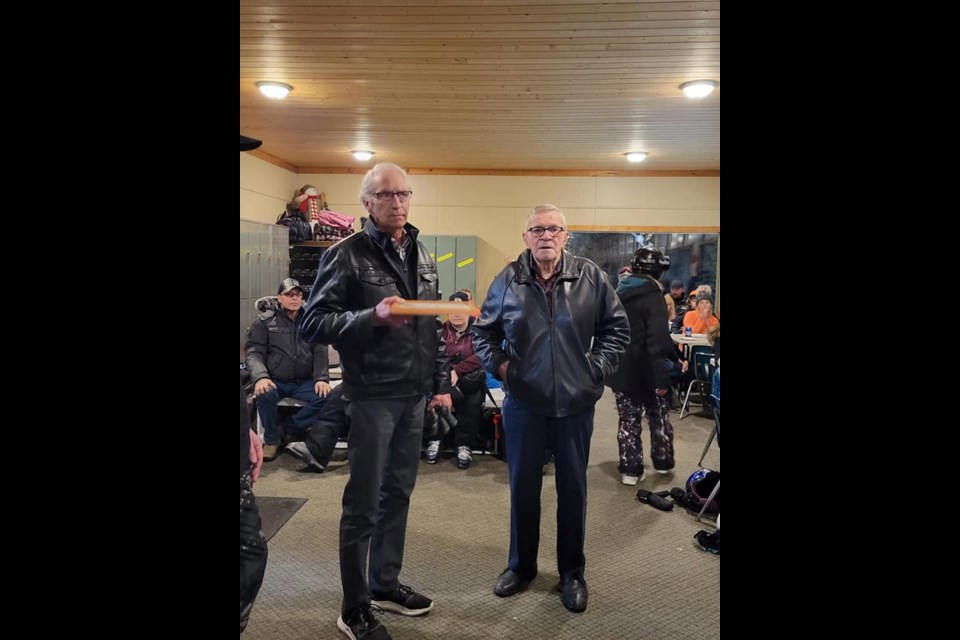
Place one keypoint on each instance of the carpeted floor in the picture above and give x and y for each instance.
(647, 578)
(274, 513)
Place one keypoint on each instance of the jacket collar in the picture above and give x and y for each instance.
(569, 267)
(381, 238)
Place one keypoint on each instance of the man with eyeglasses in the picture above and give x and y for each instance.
(282, 364)
(390, 364)
(565, 331)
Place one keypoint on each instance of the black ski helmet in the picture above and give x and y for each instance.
(650, 260)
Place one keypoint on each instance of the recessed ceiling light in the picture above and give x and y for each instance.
(362, 155)
(636, 156)
(274, 90)
(698, 88)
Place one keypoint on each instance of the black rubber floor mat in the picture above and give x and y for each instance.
(274, 512)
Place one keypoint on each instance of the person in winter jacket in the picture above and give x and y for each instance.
(565, 332)
(390, 362)
(643, 380)
(467, 386)
(283, 364)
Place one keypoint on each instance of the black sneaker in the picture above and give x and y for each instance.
(300, 450)
(402, 600)
(709, 542)
(361, 624)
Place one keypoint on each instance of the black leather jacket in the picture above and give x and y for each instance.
(557, 362)
(353, 276)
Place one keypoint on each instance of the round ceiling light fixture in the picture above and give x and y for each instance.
(636, 156)
(274, 90)
(362, 155)
(698, 88)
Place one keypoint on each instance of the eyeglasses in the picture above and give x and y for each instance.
(388, 195)
(552, 232)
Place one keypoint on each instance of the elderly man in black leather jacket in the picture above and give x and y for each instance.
(565, 331)
(390, 363)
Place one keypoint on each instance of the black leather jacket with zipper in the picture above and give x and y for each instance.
(377, 361)
(558, 361)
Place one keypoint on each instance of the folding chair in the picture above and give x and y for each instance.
(715, 401)
(704, 363)
(715, 432)
(713, 494)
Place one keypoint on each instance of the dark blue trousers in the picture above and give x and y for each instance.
(301, 421)
(529, 436)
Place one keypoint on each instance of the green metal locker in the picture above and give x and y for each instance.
(430, 242)
(447, 265)
(466, 277)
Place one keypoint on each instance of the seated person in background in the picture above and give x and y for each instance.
(468, 382)
(682, 308)
(701, 319)
(675, 300)
(282, 364)
(331, 425)
(475, 310)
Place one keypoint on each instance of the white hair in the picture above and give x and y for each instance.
(366, 185)
(543, 208)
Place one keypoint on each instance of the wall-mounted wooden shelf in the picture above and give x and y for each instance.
(313, 243)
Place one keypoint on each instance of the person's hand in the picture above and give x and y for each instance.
(263, 385)
(684, 366)
(502, 370)
(661, 392)
(383, 314)
(441, 399)
(453, 378)
(256, 455)
(321, 388)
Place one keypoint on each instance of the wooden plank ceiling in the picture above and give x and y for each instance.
(483, 84)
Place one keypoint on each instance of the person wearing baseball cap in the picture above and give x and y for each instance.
(288, 285)
(283, 365)
(468, 385)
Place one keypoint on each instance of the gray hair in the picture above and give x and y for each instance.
(543, 208)
(366, 185)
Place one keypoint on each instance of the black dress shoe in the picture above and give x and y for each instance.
(575, 595)
(509, 583)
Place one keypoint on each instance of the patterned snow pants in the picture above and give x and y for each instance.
(631, 410)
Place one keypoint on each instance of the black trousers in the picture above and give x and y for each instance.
(468, 407)
(384, 452)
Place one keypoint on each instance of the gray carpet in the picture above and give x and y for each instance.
(647, 578)
(274, 513)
